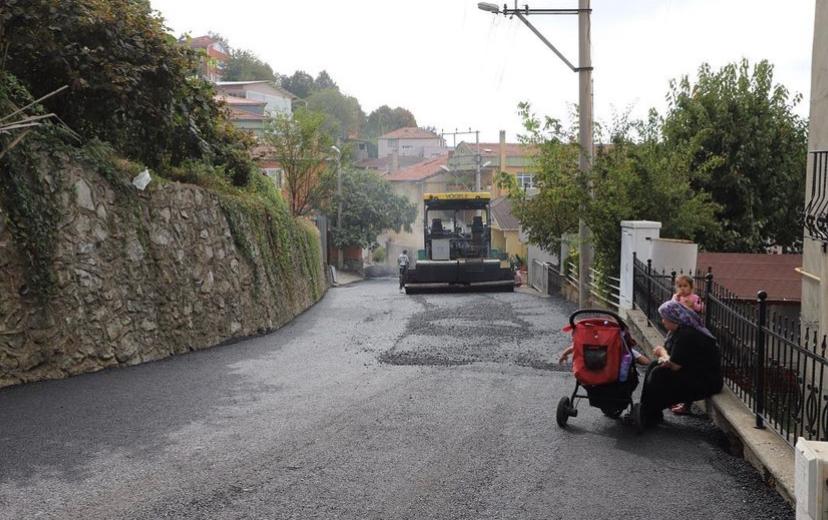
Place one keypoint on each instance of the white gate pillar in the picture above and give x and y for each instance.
(636, 237)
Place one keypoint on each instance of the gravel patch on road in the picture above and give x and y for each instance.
(460, 329)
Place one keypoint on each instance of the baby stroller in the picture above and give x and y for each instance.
(603, 365)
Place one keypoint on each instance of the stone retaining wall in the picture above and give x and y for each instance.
(140, 276)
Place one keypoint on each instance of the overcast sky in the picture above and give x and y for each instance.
(455, 66)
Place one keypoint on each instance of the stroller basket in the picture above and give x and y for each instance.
(598, 349)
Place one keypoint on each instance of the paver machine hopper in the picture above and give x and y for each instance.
(457, 249)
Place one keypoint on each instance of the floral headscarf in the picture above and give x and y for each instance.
(678, 313)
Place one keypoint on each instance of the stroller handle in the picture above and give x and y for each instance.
(611, 314)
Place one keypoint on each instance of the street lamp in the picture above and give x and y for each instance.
(584, 71)
(338, 158)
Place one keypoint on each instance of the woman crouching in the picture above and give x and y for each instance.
(688, 367)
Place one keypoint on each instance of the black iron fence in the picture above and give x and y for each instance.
(770, 361)
(816, 211)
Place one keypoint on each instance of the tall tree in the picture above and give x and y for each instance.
(747, 148)
(554, 210)
(343, 115)
(386, 119)
(300, 84)
(324, 81)
(632, 179)
(244, 65)
(369, 207)
(301, 148)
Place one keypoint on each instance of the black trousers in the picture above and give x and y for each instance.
(664, 387)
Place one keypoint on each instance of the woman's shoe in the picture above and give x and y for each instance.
(680, 409)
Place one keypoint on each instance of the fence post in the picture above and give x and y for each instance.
(673, 279)
(759, 362)
(634, 264)
(708, 298)
(649, 290)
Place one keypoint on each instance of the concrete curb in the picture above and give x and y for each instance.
(524, 289)
(345, 279)
(766, 451)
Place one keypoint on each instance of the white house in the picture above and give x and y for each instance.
(277, 100)
(411, 142)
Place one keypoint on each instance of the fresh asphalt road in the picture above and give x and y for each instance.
(371, 405)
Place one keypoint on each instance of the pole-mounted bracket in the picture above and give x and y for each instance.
(549, 44)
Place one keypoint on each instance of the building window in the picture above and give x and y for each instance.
(526, 180)
(275, 174)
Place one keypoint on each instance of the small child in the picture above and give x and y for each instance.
(685, 295)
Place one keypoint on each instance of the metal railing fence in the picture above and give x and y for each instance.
(773, 364)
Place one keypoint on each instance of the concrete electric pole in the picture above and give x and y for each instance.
(338, 158)
(478, 159)
(585, 159)
(584, 70)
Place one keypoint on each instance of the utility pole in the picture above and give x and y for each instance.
(338, 158)
(477, 158)
(584, 70)
(585, 141)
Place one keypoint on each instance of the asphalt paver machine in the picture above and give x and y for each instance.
(458, 246)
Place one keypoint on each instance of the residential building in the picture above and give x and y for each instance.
(512, 158)
(430, 176)
(814, 271)
(388, 164)
(246, 114)
(412, 182)
(411, 142)
(277, 100)
(214, 58)
(265, 158)
(506, 235)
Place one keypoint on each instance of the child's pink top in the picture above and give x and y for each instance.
(693, 299)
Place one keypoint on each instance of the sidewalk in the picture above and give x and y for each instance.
(527, 289)
(347, 278)
(766, 451)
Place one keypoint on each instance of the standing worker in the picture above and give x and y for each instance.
(402, 262)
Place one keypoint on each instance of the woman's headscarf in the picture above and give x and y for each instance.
(678, 313)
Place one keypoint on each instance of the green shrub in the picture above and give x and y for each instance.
(130, 83)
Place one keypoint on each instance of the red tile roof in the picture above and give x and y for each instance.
(410, 132)
(502, 213)
(237, 114)
(384, 163)
(205, 42)
(200, 42)
(421, 170)
(746, 273)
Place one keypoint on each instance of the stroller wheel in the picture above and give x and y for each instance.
(638, 418)
(563, 412)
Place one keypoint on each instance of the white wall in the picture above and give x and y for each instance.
(636, 237)
(674, 255)
(407, 147)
